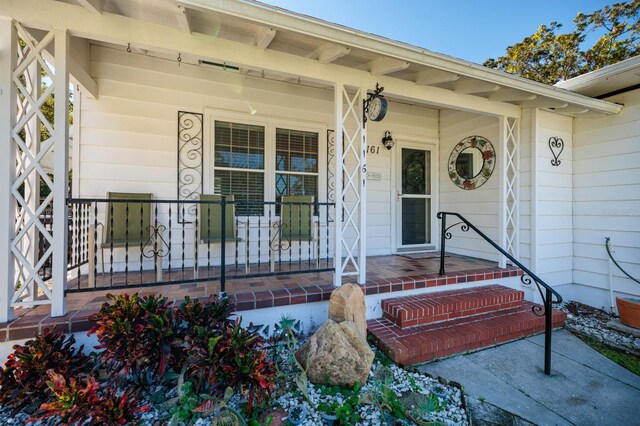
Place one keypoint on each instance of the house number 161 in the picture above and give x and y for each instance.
(373, 149)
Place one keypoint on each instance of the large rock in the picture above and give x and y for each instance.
(347, 304)
(336, 355)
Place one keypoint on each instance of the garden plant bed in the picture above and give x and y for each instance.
(590, 324)
(195, 364)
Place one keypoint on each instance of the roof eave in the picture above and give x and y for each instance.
(285, 19)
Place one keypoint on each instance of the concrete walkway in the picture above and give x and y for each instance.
(585, 388)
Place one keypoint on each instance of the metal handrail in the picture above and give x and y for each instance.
(528, 276)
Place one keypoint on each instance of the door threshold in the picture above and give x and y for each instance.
(411, 250)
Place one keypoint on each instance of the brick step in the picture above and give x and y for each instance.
(427, 342)
(445, 305)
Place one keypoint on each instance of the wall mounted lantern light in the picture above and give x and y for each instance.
(388, 141)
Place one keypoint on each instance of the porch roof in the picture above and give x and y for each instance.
(270, 35)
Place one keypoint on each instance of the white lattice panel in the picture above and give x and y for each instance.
(350, 258)
(511, 187)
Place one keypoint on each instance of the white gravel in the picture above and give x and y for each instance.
(593, 323)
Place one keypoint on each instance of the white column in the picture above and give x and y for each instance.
(362, 249)
(337, 251)
(61, 173)
(8, 98)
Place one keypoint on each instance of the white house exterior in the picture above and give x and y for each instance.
(136, 65)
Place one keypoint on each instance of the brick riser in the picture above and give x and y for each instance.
(438, 340)
(447, 305)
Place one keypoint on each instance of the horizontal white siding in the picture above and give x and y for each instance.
(128, 135)
(607, 197)
(480, 206)
(554, 210)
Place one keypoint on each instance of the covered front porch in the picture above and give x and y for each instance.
(248, 157)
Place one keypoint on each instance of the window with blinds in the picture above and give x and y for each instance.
(239, 165)
(296, 163)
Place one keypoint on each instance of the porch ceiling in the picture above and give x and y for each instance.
(274, 29)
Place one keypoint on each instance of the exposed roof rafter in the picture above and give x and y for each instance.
(264, 37)
(93, 6)
(543, 103)
(469, 86)
(434, 76)
(182, 16)
(511, 95)
(385, 66)
(330, 52)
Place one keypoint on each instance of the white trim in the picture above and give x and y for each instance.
(75, 156)
(270, 123)
(61, 174)
(534, 190)
(8, 96)
(338, 145)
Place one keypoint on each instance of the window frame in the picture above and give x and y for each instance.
(270, 124)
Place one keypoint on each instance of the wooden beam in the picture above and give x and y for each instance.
(330, 52)
(93, 6)
(264, 37)
(182, 16)
(385, 66)
(511, 95)
(78, 73)
(434, 76)
(471, 86)
(121, 30)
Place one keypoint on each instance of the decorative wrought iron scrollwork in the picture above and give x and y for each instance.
(156, 244)
(538, 310)
(277, 243)
(331, 176)
(190, 160)
(463, 228)
(556, 145)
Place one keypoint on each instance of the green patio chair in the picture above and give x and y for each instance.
(115, 233)
(209, 229)
(297, 224)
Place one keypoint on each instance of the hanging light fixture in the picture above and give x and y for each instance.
(388, 141)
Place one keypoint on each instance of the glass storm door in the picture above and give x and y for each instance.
(414, 198)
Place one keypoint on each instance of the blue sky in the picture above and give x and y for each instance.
(473, 30)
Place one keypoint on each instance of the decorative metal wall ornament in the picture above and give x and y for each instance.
(471, 162)
(190, 159)
(556, 145)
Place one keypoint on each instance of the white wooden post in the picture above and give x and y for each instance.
(337, 251)
(362, 249)
(61, 173)
(8, 99)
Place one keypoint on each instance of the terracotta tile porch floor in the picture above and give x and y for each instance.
(385, 274)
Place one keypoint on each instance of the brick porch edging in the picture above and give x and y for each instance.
(27, 326)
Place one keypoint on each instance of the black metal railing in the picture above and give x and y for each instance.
(162, 242)
(77, 240)
(547, 295)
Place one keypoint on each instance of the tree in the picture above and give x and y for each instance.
(549, 56)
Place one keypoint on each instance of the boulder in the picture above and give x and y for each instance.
(336, 355)
(347, 304)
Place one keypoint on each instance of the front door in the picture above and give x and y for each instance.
(414, 197)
